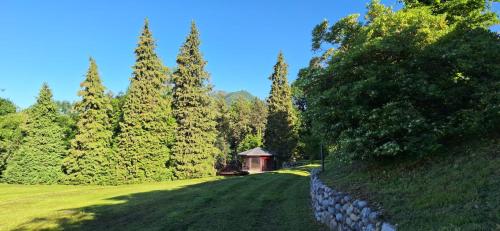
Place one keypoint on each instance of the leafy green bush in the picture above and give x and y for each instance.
(402, 83)
(250, 141)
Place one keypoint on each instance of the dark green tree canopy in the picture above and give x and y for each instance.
(468, 13)
(146, 130)
(280, 134)
(239, 121)
(194, 149)
(402, 83)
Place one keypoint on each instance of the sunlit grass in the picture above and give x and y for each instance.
(277, 200)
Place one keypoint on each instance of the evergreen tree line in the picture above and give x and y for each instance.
(401, 84)
(168, 125)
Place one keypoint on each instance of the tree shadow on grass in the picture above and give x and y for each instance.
(269, 201)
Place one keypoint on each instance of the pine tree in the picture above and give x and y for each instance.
(194, 148)
(38, 160)
(280, 135)
(90, 156)
(146, 129)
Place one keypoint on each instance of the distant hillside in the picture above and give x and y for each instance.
(231, 96)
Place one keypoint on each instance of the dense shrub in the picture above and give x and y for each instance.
(402, 83)
(250, 141)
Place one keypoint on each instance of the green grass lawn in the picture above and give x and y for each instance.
(458, 189)
(270, 201)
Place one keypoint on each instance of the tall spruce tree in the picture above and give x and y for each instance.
(90, 155)
(280, 135)
(194, 148)
(38, 160)
(146, 129)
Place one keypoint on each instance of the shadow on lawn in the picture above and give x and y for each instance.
(269, 201)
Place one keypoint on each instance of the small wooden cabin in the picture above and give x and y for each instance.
(257, 160)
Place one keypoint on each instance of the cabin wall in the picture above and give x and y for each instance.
(257, 163)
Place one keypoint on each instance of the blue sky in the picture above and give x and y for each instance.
(51, 41)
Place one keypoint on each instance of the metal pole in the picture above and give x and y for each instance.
(322, 157)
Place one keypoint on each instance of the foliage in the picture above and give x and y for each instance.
(258, 116)
(67, 121)
(233, 96)
(10, 132)
(65, 107)
(194, 148)
(10, 137)
(239, 121)
(280, 135)
(465, 12)
(89, 160)
(223, 133)
(308, 143)
(244, 116)
(38, 159)
(401, 84)
(250, 141)
(6, 107)
(116, 115)
(146, 129)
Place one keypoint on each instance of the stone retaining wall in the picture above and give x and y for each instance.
(341, 212)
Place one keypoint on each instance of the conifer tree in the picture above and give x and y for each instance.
(194, 148)
(89, 158)
(146, 129)
(6, 107)
(38, 160)
(280, 135)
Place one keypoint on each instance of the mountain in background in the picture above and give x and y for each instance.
(232, 96)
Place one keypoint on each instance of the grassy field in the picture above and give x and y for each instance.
(458, 189)
(270, 201)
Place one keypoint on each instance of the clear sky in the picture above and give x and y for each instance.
(51, 41)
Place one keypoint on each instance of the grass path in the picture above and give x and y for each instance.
(271, 201)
